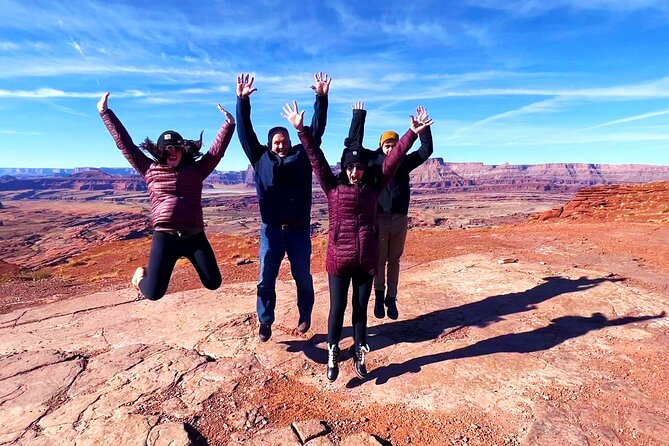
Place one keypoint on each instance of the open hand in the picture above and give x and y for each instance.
(358, 105)
(294, 116)
(228, 117)
(102, 103)
(421, 121)
(245, 85)
(321, 83)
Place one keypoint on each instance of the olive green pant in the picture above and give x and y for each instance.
(392, 236)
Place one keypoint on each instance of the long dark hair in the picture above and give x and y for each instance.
(159, 154)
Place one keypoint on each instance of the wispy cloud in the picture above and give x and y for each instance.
(546, 106)
(629, 119)
(417, 31)
(532, 7)
(9, 46)
(19, 132)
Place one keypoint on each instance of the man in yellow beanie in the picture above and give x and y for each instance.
(393, 209)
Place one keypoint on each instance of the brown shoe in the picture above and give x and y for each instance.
(304, 326)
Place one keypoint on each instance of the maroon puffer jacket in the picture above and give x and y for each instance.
(176, 194)
(353, 235)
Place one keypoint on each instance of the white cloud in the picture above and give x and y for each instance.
(19, 132)
(537, 7)
(418, 32)
(629, 119)
(8, 46)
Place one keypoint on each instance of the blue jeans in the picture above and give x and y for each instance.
(275, 243)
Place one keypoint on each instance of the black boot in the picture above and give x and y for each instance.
(379, 309)
(359, 360)
(264, 332)
(391, 303)
(333, 362)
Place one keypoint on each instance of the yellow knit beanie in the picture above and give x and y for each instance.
(385, 136)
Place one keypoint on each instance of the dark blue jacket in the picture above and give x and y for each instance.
(283, 185)
(394, 198)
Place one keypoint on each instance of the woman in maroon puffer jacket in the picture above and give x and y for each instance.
(174, 180)
(352, 251)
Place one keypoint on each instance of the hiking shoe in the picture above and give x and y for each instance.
(140, 273)
(304, 326)
(359, 360)
(333, 362)
(379, 310)
(265, 332)
(391, 304)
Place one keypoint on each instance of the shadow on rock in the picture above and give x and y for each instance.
(480, 314)
(437, 323)
(195, 436)
(558, 331)
(311, 350)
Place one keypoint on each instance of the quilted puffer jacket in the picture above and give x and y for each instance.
(175, 193)
(353, 234)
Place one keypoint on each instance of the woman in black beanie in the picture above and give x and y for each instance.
(174, 179)
(352, 251)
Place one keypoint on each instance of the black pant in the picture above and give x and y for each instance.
(362, 288)
(166, 249)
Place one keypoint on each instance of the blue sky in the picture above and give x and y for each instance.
(522, 82)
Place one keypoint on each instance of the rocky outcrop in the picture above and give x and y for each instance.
(629, 202)
(91, 180)
(227, 178)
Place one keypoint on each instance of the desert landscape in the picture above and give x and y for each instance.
(532, 312)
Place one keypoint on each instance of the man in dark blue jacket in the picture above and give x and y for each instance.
(282, 174)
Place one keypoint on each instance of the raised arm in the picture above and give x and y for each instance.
(394, 158)
(210, 160)
(415, 159)
(320, 165)
(247, 137)
(356, 131)
(319, 120)
(131, 152)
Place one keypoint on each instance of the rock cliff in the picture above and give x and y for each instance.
(435, 173)
(629, 202)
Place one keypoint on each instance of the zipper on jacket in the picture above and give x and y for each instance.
(357, 225)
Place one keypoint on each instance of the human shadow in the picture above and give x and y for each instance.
(310, 349)
(559, 330)
(481, 313)
(432, 325)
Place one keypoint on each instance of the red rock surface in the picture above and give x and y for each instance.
(628, 202)
(568, 345)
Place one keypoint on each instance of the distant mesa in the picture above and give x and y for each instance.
(76, 179)
(434, 174)
(560, 177)
(91, 173)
